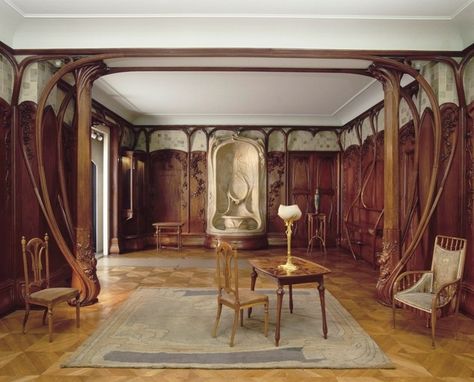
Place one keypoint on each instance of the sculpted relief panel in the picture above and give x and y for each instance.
(237, 186)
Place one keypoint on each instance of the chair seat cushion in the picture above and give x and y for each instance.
(53, 295)
(246, 297)
(422, 301)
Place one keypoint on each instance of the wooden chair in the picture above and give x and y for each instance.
(229, 293)
(437, 290)
(37, 289)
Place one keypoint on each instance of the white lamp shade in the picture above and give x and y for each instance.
(292, 212)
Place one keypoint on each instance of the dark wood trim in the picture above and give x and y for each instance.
(239, 127)
(115, 70)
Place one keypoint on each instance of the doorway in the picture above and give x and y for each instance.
(100, 149)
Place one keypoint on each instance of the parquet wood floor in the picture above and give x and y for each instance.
(32, 357)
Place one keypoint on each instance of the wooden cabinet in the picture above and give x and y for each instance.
(133, 199)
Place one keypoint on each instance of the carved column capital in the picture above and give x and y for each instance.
(87, 74)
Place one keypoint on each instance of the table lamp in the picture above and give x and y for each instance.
(289, 214)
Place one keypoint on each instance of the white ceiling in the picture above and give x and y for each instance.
(219, 97)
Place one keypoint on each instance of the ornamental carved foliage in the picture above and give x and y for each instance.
(407, 135)
(390, 248)
(276, 170)
(198, 171)
(5, 127)
(85, 254)
(449, 123)
(27, 111)
(470, 166)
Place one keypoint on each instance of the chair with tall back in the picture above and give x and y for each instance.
(229, 293)
(37, 283)
(435, 291)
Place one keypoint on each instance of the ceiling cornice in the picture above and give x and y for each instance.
(240, 52)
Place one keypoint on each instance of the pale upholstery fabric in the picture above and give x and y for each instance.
(422, 301)
(435, 289)
(50, 295)
(445, 267)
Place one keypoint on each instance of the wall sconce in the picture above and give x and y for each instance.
(97, 135)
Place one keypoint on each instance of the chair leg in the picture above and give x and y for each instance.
(241, 317)
(265, 328)
(394, 307)
(50, 323)
(433, 325)
(216, 324)
(25, 319)
(234, 327)
(78, 312)
(45, 313)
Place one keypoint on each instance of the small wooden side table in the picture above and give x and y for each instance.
(169, 228)
(307, 272)
(316, 231)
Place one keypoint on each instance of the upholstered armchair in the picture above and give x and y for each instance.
(437, 290)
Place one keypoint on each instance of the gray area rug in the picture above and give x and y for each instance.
(171, 328)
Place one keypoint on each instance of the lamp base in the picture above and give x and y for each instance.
(289, 266)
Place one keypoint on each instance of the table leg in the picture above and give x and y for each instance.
(290, 287)
(253, 280)
(159, 238)
(179, 238)
(156, 238)
(323, 306)
(280, 292)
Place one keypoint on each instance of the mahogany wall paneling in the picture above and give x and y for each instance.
(301, 190)
(425, 164)
(50, 129)
(7, 256)
(369, 207)
(407, 168)
(325, 173)
(168, 187)
(350, 190)
(276, 191)
(198, 188)
(308, 170)
(363, 198)
(467, 304)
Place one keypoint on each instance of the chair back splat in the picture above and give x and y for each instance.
(228, 292)
(38, 290)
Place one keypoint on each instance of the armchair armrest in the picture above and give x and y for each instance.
(445, 294)
(407, 280)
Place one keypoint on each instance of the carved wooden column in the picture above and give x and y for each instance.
(114, 191)
(83, 251)
(391, 233)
